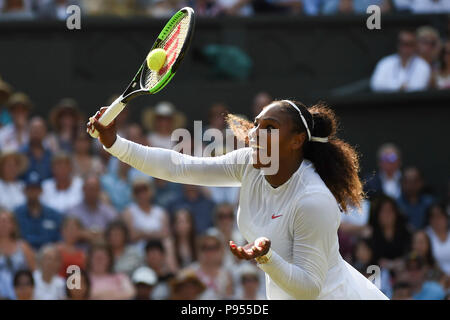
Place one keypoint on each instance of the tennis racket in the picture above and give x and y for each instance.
(175, 39)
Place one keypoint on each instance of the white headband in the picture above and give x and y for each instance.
(310, 138)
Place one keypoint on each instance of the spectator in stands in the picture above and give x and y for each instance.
(84, 162)
(403, 71)
(413, 202)
(107, 285)
(115, 183)
(390, 238)
(16, 9)
(166, 192)
(210, 269)
(162, 9)
(126, 258)
(441, 78)
(249, 283)
(15, 254)
(38, 224)
(421, 247)
(81, 291)
(48, 284)
(12, 165)
(65, 119)
(39, 156)
(402, 291)
(5, 93)
(429, 6)
(186, 286)
(156, 259)
(161, 121)
(144, 219)
(429, 45)
(144, 280)
(15, 136)
(352, 6)
(184, 236)
(260, 100)
(93, 213)
(201, 207)
(363, 256)
(55, 9)
(23, 285)
(388, 179)
(63, 191)
(278, 6)
(438, 231)
(71, 254)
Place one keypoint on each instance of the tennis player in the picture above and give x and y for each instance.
(294, 214)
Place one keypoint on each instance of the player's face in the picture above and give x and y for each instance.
(277, 126)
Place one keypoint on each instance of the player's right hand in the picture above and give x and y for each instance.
(107, 134)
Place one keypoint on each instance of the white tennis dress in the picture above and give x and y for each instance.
(300, 217)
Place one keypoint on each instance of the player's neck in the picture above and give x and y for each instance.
(286, 169)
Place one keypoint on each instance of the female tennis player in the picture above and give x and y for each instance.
(290, 218)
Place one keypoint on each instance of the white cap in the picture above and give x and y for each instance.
(144, 275)
(164, 108)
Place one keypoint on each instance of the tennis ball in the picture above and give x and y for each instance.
(156, 59)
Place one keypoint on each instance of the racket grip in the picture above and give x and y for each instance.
(109, 115)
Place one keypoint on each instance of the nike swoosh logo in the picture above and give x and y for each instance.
(274, 216)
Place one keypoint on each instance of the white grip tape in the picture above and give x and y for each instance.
(109, 115)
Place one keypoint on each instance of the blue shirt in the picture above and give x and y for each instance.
(201, 209)
(415, 212)
(40, 230)
(43, 165)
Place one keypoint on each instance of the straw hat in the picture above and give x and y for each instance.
(5, 91)
(185, 276)
(20, 158)
(162, 109)
(19, 98)
(66, 105)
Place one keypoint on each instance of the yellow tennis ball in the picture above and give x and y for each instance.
(156, 59)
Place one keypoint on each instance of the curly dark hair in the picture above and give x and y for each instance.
(336, 162)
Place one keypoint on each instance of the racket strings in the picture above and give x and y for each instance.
(173, 44)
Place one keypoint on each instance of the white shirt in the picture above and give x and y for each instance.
(9, 138)
(11, 194)
(390, 75)
(55, 290)
(430, 6)
(62, 200)
(301, 218)
(440, 250)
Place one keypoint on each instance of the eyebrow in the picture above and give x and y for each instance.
(268, 118)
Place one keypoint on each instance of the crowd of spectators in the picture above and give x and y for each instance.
(56, 9)
(66, 202)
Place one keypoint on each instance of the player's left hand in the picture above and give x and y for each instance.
(251, 250)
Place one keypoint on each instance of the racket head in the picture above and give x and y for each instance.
(175, 39)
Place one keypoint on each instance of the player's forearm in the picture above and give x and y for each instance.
(291, 278)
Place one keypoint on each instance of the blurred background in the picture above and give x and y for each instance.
(65, 202)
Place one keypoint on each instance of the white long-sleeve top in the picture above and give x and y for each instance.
(300, 217)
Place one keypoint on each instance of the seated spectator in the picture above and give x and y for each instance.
(65, 119)
(84, 162)
(15, 136)
(166, 192)
(37, 223)
(63, 191)
(402, 291)
(144, 280)
(186, 286)
(201, 207)
(413, 202)
(210, 268)
(363, 256)
(5, 94)
(430, 6)
(156, 259)
(441, 78)
(352, 6)
(403, 71)
(48, 284)
(126, 258)
(429, 45)
(81, 292)
(15, 254)
(107, 285)
(422, 247)
(39, 156)
(93, 213)
(184, 238)
(144, 219)
(163, 9)
(161, 121)
(249, 283)
(12, 165)
(438, 231)
(423, 288)
(260, 100)
(388, 178)
(235, 7)
(390, 239)
(55, 9)
(117, 187)
(70, 253)
(23, 285)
